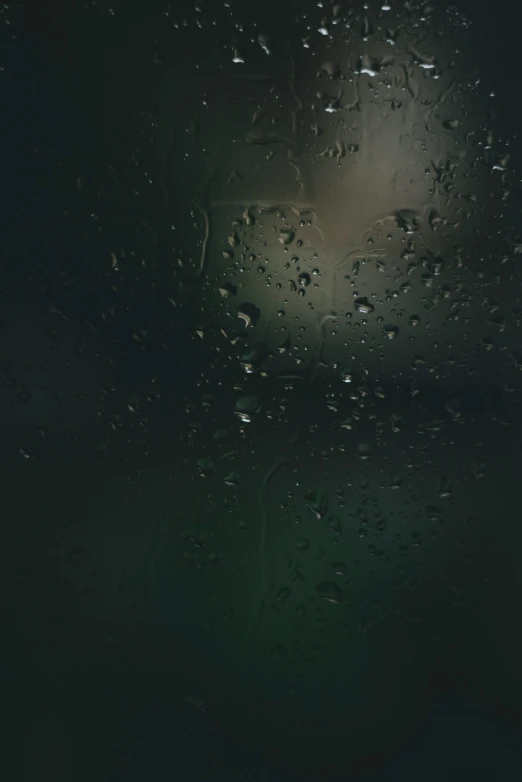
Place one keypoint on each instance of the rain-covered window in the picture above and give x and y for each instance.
(260, 389)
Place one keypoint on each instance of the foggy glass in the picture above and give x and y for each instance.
(260, 391)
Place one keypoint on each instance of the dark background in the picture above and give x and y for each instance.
(124, 599)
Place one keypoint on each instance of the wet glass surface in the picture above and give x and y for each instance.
(260, 356)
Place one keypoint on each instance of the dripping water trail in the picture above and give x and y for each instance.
(318, 359)
(206, 239)
(201, 202)
(266, 580)
(265, 520)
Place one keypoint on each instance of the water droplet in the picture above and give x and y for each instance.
(264, 42)
(317, 502)
(198, 702)
(390, 332)
(286, 236)
(444, 488)
(227, 289)
(205, 466)
(249, 220)
(435, 220)
(233, 240)
(454, 406)
(433, 513)
(279, 652)
(246, 407)
(254, 358)
(396, 481)
(436, 266)
(368, 66)
(407, 220)
(364, 451)
(330, 592)
(366, 29)
(221, 435)
(283, 594)
(249, 313)
(363, 306)
(331, 69)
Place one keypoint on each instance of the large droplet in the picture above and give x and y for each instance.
(254, 358)
(286, 236)
(264, 42)
(390, 332)
(330, 592)
(364, 451)
(249, 313)
(246, 407)
(317, 502)
(407, 220)
(205, 466)
(363, 306)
